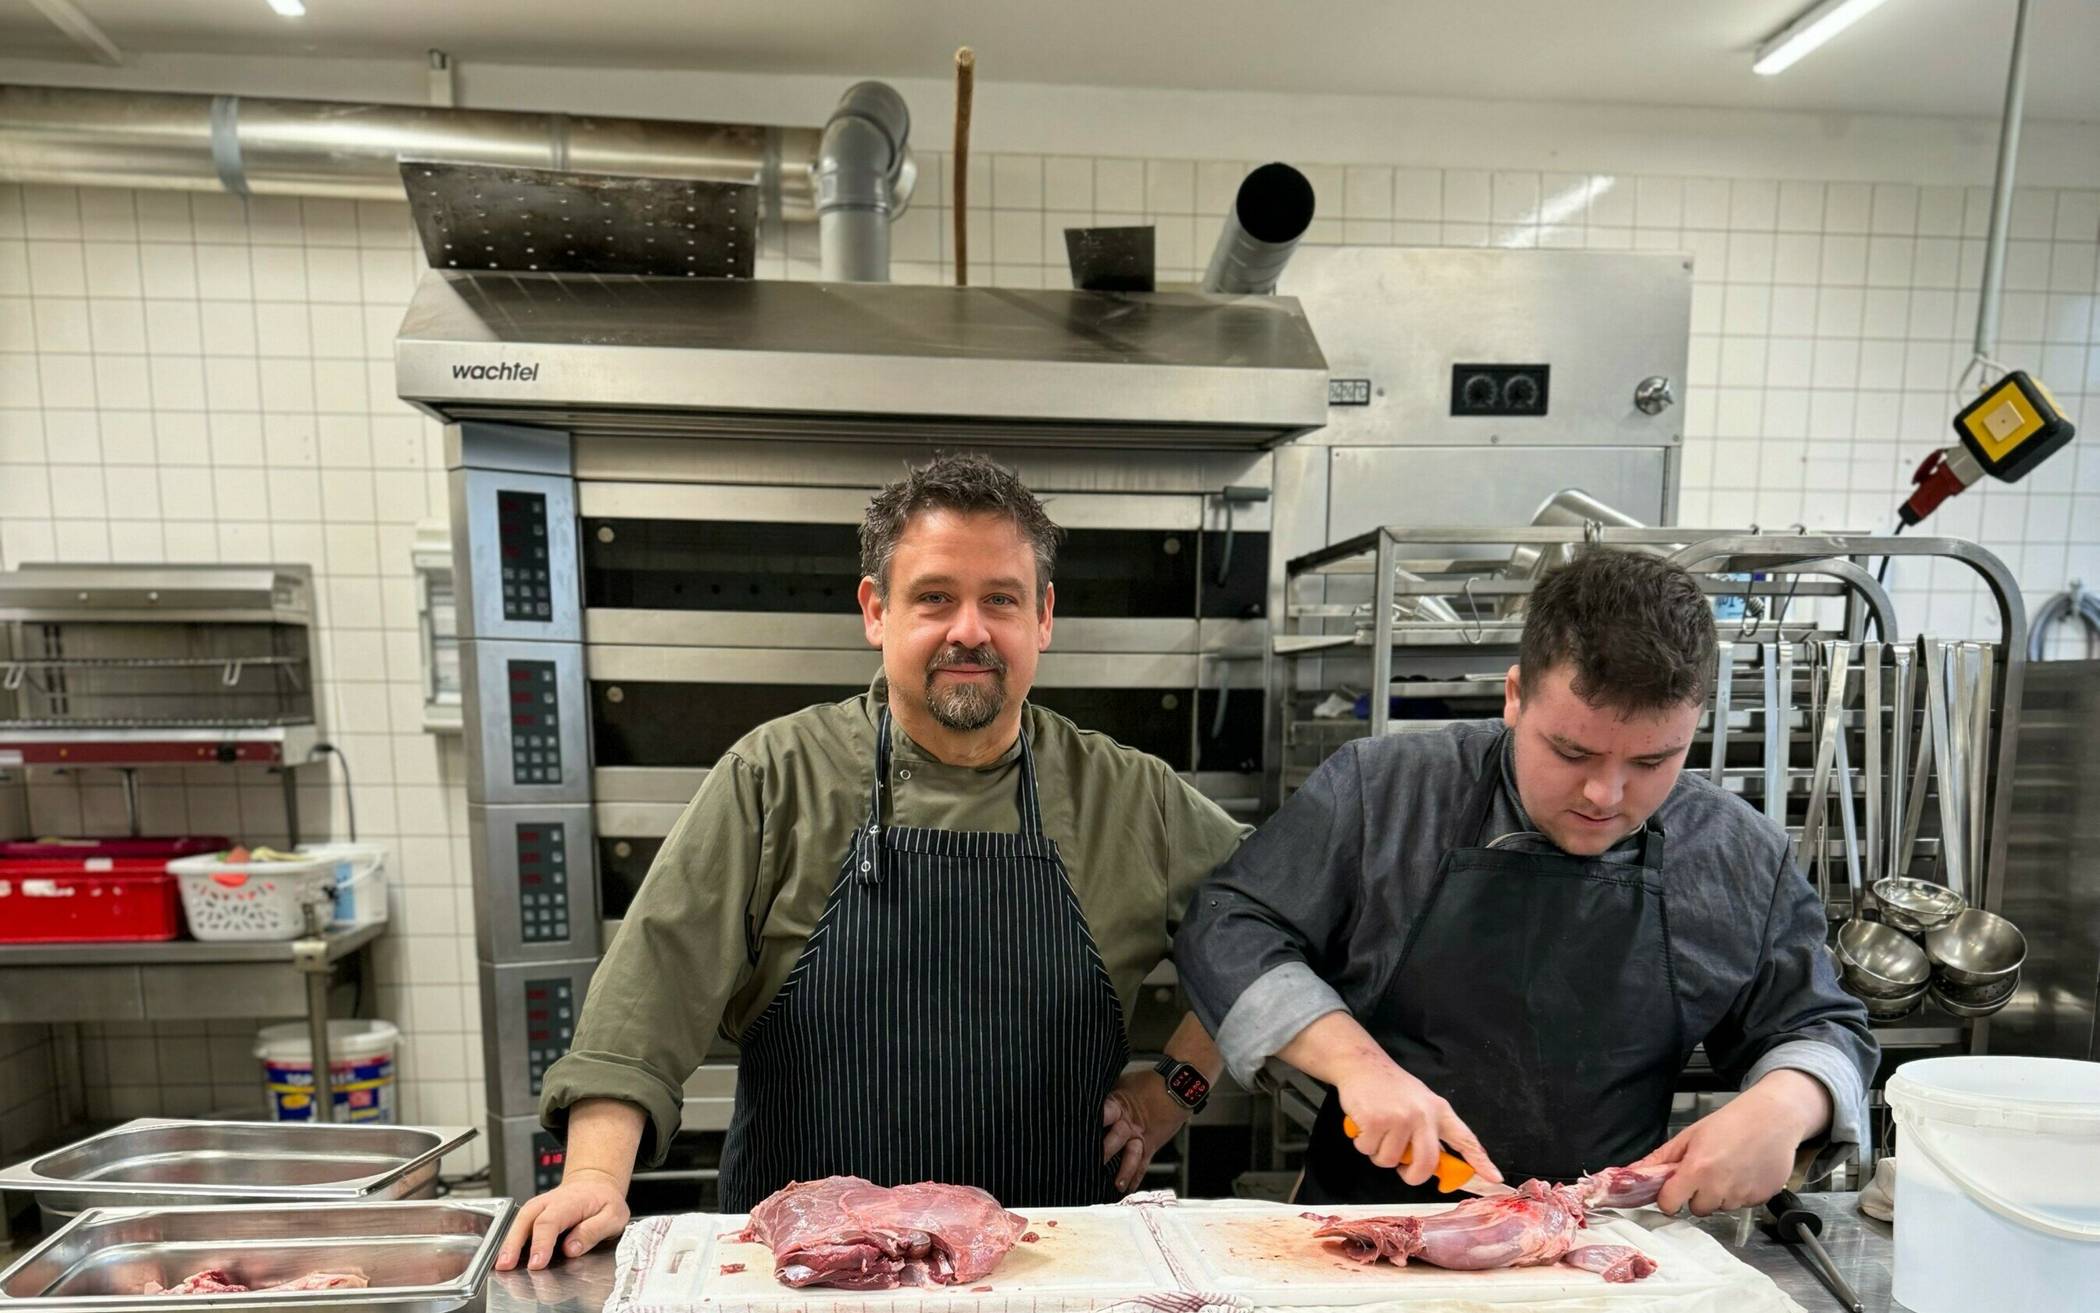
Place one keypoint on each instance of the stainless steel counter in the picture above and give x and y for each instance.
(1863, 1249)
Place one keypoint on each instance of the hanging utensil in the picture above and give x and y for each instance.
(1775, 736)
(1944, 662)
(1899, 759)
(1815, 824)
(1724, 679)
(1921, 777)
(1870, 704)
(1979, 759)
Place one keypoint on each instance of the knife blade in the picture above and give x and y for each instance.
(1452, 1171)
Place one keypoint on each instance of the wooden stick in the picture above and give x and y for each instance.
(959, 162)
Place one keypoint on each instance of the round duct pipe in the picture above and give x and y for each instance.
(863, 168)
(1270, 213)
(85, 137)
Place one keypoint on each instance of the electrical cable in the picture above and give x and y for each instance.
(349, 798)
(2073, 603)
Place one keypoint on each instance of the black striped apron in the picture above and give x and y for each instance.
(949, 1020)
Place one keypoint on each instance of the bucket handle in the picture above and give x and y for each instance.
(2003, 1207)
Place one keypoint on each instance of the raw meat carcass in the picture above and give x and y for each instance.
(846, 1232)
(1538, 1224)
(216, 1281)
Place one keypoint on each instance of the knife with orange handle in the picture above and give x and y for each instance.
(1452, 1171)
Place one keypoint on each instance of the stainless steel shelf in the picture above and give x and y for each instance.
(194, 952)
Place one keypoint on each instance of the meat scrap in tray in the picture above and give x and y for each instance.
(217, 1281)
(846, 1232)
(1539, 1224)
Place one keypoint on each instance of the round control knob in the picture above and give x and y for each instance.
(1480, 392)
(1521, 392)
(1654, 395)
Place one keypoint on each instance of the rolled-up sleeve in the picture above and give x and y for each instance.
(1793, 1015)
(1264, 930)
(683, 949)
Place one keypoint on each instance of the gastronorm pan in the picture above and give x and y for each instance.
(166, 1161)
(419, 1256)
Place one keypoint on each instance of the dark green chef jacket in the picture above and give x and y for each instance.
(740, 882)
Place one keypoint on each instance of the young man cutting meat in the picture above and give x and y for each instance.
(1509, 937)
(923, 914)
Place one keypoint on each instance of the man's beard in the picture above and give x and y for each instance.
(967, 705)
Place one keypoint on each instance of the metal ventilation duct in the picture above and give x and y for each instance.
(249, 145)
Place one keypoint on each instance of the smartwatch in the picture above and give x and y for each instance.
(1188, 1085)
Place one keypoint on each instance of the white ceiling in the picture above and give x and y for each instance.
(1909, 56)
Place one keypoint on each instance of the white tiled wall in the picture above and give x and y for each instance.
(193, 379)
(28, 1093)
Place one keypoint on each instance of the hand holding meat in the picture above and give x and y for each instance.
(1742, 1154)
(588, 1205)
(1398, 1116)
(1538, 1225)
(1136, 1119)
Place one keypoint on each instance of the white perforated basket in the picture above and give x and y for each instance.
(254, 900)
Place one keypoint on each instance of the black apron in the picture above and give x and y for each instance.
(949, 1020)
(1536, 993)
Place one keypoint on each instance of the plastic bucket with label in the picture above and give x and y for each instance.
(360, 1070)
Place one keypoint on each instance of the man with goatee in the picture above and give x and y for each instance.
(923, 914)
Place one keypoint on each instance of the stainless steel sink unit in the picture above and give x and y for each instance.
(419, 1257)
(164, 1161)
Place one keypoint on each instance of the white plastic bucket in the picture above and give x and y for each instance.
(360, 882)
(1998, 1184)
(360, 1070)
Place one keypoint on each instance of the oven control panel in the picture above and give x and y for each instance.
(550, 1023)
(522, 540)
(543, 882)
(548, 1158)
(535, 723)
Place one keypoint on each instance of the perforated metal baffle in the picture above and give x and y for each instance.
(482, 217)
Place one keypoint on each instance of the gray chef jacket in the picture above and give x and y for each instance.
(1309, 915)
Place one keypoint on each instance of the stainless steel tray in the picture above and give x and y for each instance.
(420, 1257)
(165, 1161)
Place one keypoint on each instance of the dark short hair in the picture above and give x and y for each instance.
(1635, 628)
(955, 481)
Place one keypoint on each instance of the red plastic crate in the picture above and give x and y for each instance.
(88, 900)
(161, 847)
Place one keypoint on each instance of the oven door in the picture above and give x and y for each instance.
(721, 565)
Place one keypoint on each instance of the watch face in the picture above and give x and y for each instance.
(1188, 1085)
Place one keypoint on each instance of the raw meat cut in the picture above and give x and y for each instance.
(1536, 1225)
(846, 1232)
(1624, 1187)
(1612, 1262)
(216, 1281)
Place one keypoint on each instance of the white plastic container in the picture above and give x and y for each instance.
(360, 882)
(360, 1070)
(253, 900)
(1998, 1184)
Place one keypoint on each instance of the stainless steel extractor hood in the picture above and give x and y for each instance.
(829, 361)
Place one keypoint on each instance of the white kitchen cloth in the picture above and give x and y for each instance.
(1191, 1257)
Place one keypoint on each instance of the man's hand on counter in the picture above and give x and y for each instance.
(588, 1206)
(591, 1201)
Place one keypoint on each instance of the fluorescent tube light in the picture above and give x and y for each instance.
(1810, 31)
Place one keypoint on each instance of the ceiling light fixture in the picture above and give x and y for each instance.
(288, 8)
(1810, 31)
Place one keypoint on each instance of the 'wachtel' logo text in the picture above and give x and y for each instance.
(509, 371)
